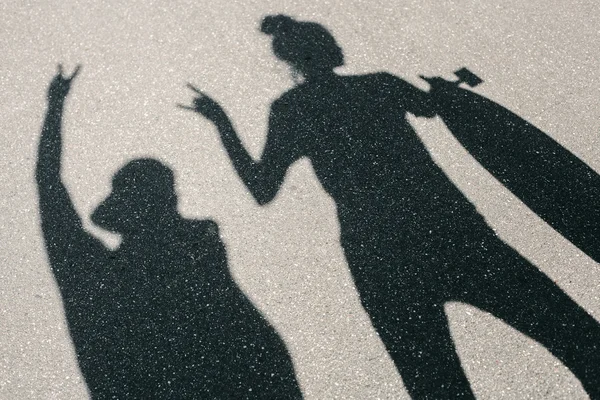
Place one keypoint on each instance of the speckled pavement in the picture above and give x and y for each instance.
(540, 59)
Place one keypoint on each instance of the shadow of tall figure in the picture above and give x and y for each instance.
(160, 317)
(559, 187)
(412, 240)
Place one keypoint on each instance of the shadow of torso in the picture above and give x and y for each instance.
(390, 194)
(163, 318)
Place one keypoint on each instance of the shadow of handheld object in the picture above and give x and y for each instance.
(555, 184)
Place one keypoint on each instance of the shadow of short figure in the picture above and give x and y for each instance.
(412, 240)
(558, 186)
(161, 316)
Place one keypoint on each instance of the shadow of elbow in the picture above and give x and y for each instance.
(264, 197)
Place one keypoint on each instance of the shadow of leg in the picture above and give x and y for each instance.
(506, 285)
(417, 337)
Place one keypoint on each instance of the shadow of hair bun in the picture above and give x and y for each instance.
(276, 24)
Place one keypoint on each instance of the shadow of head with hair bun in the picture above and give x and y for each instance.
(306, 46)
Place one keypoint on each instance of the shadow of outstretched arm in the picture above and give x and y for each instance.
(264, 177)
(65, 238)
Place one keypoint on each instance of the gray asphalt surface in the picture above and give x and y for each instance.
(537, 58)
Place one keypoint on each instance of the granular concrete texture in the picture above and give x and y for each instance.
(539, 59)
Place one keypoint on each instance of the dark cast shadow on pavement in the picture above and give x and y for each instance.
(161, 316)
(553, 182)
(412, 240)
